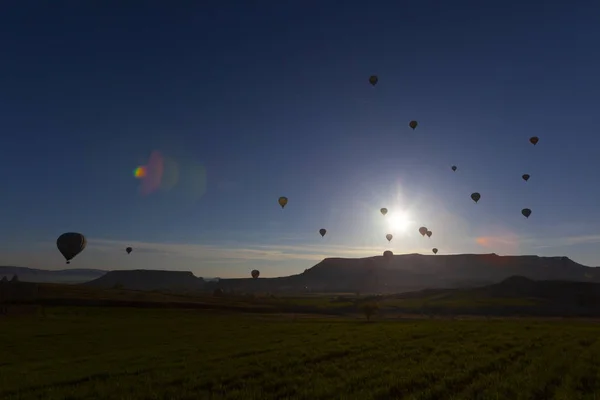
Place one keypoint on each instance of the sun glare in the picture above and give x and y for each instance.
(398, 222)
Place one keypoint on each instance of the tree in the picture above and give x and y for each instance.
(370, 309)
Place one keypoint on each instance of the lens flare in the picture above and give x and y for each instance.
(140, 172)
(164, 173)
(154, 174)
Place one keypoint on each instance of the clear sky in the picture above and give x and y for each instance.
(242, 103)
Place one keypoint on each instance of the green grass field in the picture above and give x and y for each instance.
(123, 353)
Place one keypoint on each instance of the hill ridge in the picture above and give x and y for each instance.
(409, 272)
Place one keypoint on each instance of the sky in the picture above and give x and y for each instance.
(226, 106)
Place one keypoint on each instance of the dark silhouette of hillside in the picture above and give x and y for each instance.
(411, 272)
(560, 293)
(516, 295)
(48, 276)
(145, 279)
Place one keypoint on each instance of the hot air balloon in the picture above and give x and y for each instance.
(70, 244)
(128, 250)
(388, 254)
(423, 231)
(283, 201)
(383, 211)
(255, 273)
(525, 177)
(413, 124)
(475, 196)
(322, 231)
(526, 212)
(454, 168)
(533, 140)
(434, 250)
(389, 237)
(429, 233)
(373, 80)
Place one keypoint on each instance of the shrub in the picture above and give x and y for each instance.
(370, 309)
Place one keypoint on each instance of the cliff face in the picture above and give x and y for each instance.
(143, 279)
(416, 271)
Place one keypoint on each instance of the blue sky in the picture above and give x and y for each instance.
(242, 103)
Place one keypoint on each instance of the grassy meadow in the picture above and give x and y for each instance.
(162, 353)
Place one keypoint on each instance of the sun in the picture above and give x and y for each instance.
(398, 222)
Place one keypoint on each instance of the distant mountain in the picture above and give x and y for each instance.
(145, 279)
(410, 272)
(47, 276)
